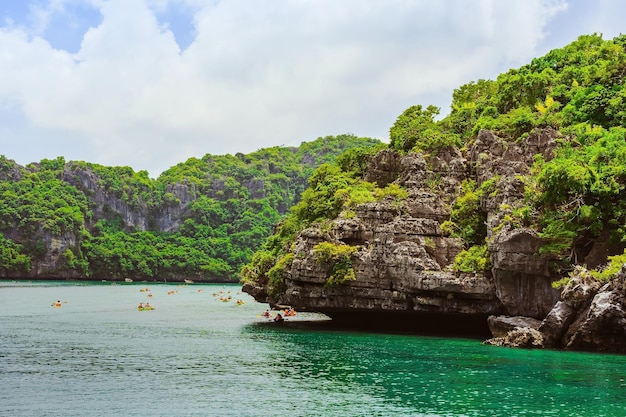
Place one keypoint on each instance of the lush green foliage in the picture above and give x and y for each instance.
(234, 201)
(276, 284)
(467, 221)
(476, 258)
(570, 199)
(334, 189)
(583, 187)
(41, 201)
(339, 257)
(416, 130)
(356, 160)
(579, 90)
(11, 257)
(609, 270)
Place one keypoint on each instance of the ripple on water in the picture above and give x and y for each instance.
(194, 356)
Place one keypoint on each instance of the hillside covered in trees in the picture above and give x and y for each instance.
(475, 213)
(201, 219)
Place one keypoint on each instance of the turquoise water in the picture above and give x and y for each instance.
(197, 356)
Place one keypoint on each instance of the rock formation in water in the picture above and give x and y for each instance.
(403, 265)
(589, 316)
(404, 259)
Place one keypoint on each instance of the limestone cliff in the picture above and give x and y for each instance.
(589, 316)
(136, 215)
(527, 170)
(403, 262)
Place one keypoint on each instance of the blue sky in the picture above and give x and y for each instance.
(150, 83)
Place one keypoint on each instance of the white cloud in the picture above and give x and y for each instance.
(259, 73)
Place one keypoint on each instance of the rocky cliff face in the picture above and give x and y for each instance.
(403, 262)
(403, 265)
(589, 316)
(104, 204)
(135, 216)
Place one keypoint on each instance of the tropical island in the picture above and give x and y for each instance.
(201, 219)
(509, 212)
(505, 217)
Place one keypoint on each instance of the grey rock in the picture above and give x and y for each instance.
(501, 325)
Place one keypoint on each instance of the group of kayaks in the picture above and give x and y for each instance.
(223, 296)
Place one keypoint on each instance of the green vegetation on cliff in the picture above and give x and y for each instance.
(334, 190)
(201, 219)
(206, 218)
(572, 198)
(577, 90)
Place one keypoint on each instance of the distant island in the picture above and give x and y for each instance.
(201, 219)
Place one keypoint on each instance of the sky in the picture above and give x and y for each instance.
(151, 83)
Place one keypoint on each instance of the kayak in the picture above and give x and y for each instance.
(145, 308)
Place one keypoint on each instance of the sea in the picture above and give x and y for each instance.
(202, 353)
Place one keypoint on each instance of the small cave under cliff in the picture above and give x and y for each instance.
(409, 322)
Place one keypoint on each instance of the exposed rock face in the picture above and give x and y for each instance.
(501, 325)
(170, 217)
(522, 276)
(597, 316)
(384, 168)
(134, 216)
(104, 203)
(404, 259)
(524, 337)
(53, 257)
(588, 317)
(396, 271)
(556, 323)
(602, 327)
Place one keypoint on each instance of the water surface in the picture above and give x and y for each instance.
(198, 356)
